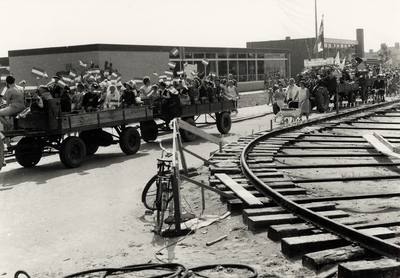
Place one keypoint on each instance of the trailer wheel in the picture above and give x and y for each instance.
(91, 148)
(1, 154)
(72, 152)
(129, 141)
(149, 130)
(28, 155)
(322, 98)
(224, 122)
(187, 136)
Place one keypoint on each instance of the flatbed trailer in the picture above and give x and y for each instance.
(78, 134)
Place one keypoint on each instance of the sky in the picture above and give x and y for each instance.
(29, 24)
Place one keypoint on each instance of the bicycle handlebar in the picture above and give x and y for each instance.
(164, 150)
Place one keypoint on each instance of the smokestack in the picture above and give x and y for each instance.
(360, 40)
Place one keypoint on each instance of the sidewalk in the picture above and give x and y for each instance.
(246, 113)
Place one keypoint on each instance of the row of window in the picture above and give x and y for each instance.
(225, 55)
(242, 70)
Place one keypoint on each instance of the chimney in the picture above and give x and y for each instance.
(287, 38)
(396, 45)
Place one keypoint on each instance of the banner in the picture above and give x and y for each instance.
(318, 62)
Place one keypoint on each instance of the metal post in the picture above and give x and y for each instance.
(337, 96)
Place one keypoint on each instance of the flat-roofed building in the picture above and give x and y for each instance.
(248, 65)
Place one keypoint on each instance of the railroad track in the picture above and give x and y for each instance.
(282, 181)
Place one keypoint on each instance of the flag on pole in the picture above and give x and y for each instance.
(175, 51)
(138, 80)
(4, 91)
(319, 44)
(169, 72)
(172, 65)
(179, 72)
(337, 59)
(66, 79)
(342, 64)
(38, 72)
(94, 71)
(82, 64)
(3, 78)
(205, 62)
(72, 73)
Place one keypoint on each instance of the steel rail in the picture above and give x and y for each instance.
(350, 234)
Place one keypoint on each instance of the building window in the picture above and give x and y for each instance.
(233, 68)
(252, 70)
(222, 55)
(242, 55)
(188, 55)
(198, 55)
(260, 69)
(232, 56)
(222, 68)
(260, 56)
(242, 71)
(210, 55)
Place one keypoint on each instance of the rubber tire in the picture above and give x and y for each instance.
(149, 130)
(186, 135)
(1, 154)
(322, 98)
(72, 152)
(27, 157)
(224, 122)
(91, 149)
(129, 140)
(148, 200)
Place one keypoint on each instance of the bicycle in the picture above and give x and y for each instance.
(158, 193)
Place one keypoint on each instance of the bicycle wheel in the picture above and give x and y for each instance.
(165, 193)
(149, 194)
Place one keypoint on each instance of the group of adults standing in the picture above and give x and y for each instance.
(293, 96)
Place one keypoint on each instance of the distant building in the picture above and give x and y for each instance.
(302, 49)
(248, 65)
(394, 61)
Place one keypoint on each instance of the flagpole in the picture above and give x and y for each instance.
(323, 39)
(316, 28)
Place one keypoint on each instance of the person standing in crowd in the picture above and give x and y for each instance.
(78, 97)
(55, 88)
(304, 99)
(147, 93)
(379, 86)
(14, 97)
(219, 91)
(91, 98)
(270, 93)
(230, 78)
(65, 100)
(203, 91)
(232, 93)
(291, 94)
(278, 99)
(194, 92)
(112, 97)
(130, 96)
(210, 91)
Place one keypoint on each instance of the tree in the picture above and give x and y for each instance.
(384, 53)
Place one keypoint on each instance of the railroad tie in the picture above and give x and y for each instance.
(377, 268)
(298, 246)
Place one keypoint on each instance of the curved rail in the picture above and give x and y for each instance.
(369, 242)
